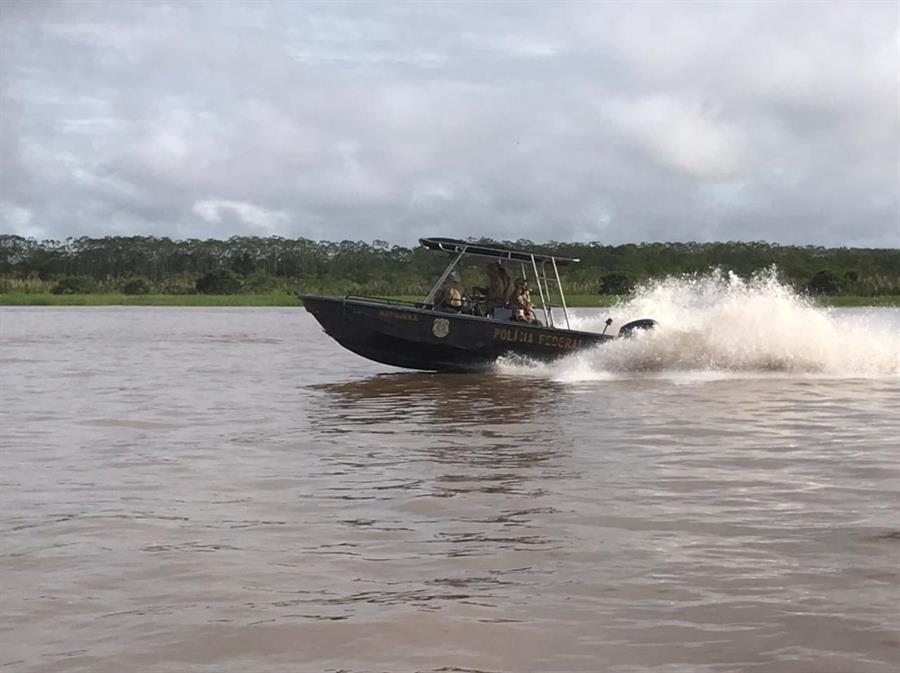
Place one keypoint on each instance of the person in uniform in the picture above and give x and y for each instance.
(499, 285)
(520, 302)
(452, 292)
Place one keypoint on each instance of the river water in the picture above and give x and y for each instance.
(188, 489)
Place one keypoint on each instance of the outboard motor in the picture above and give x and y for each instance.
(629, 328)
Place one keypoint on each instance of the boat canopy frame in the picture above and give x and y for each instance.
(459, 249)
(454, 245)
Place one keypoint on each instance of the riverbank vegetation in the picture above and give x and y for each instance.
(146, 270)
(119, 299)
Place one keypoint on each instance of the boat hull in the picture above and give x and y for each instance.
(425, 339)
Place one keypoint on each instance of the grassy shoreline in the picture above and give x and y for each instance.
(117, 299)
(574, 301)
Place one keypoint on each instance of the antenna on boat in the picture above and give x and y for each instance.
(609, 321)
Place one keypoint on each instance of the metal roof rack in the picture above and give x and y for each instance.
(455, 246)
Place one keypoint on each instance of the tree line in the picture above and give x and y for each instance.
(140, 264)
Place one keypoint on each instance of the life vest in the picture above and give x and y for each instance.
(452, 296)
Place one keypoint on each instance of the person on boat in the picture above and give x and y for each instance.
(499, 285)
(520, 302)
(452, 292)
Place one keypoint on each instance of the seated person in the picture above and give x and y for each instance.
(520, 302)
(452, 293)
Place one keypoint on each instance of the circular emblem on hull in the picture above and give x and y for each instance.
(440, 328)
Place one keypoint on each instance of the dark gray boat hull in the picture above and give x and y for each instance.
(425, 339)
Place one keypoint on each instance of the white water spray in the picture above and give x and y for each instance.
(719, 325)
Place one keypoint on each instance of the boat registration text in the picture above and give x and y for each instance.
(396, 315)
(520, 336)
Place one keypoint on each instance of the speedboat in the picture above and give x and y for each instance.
(469, 331)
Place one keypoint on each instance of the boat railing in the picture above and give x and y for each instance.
(386, 300)
(470, 308)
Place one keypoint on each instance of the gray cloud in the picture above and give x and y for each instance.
(565, 121)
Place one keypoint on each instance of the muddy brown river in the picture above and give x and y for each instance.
(227, 490)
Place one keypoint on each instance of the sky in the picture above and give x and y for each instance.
(550, 121)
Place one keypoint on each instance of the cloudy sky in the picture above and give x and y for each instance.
(606, 121)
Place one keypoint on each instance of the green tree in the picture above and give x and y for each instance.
(823, 282)
(136, 286)
(74, 285)
(219, 281)
(616, 283)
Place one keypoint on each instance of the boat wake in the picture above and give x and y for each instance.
(721, 326)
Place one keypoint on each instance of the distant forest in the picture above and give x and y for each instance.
(147, 264)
